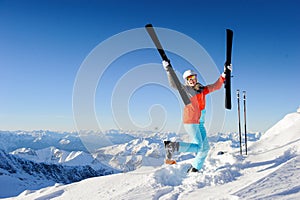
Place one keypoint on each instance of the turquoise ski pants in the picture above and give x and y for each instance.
(199, 143)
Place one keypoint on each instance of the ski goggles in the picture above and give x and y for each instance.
(192, 77)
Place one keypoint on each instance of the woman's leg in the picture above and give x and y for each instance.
(199, 144)
(202, 154)
(194, 133)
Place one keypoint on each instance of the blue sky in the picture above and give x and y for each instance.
(43, 44)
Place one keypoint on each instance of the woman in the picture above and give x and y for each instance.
(193, 118)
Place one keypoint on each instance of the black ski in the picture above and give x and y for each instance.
(163, 55)
(229, 37)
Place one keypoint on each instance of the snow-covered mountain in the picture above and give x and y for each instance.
(270, 171)
(12, 140)
(17, 174)
(52, 155)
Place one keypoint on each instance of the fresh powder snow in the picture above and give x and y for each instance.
(271, 170)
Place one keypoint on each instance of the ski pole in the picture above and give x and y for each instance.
(244, 99)
(239, 119)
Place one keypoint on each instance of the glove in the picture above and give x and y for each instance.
(165, 64)
(229, 67)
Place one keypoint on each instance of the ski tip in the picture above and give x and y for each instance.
(148, 25)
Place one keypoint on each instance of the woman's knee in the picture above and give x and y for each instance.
(206, 146)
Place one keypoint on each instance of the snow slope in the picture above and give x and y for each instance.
(17, 174)
(270, 171)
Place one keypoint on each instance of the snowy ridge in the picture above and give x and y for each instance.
(68, 141)
(52, 155)
(270, 171)
(12, 140)
(17, 174)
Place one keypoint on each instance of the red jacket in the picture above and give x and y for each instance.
(192, 111)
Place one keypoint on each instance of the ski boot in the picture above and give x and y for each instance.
(170, 148)
(192, 169)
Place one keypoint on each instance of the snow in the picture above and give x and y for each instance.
(52, 155)
(271, 169)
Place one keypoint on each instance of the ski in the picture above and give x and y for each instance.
(229, 37)
(163, 55)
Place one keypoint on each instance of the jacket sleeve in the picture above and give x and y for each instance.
(215, 86)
